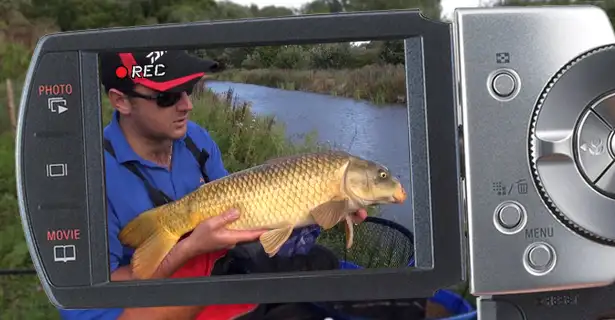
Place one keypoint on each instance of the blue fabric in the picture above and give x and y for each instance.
(127, 196)
(300, 241)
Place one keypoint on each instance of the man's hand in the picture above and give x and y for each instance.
(359, 216)
(211, 234)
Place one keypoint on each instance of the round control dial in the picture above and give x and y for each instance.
(572, 145)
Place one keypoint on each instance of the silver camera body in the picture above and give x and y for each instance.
(536, 106)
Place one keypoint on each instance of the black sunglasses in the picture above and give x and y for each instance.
(163, 99)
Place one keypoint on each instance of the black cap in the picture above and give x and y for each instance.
(164, 71)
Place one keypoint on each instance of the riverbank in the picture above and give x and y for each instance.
(374, 83)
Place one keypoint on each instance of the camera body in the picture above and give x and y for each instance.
(534, 94)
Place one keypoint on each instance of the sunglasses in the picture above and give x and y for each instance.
(163, 99)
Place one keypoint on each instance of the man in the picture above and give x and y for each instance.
(155, 155)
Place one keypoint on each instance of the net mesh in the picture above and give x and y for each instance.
(378, 243)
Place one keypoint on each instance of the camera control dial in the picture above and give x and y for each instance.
(572, 145)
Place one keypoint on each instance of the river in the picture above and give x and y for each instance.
(378, 133)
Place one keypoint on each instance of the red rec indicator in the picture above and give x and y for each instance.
(121, 72)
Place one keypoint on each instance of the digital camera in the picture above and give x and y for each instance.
(510, 121)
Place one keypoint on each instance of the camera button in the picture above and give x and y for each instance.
(504, 84)
(540, 258)
(606, 183)
(605, 109)
(593, 146)
(510, 217)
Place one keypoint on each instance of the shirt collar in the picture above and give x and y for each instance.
(123, 150)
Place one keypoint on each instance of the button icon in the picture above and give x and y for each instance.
(57, 105)
(502, 57)
(592, 146)
(57, 170)
(64, 253)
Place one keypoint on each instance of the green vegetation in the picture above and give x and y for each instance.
(356, 72)
(371, 71)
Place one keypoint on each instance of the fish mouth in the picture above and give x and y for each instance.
(400, 195)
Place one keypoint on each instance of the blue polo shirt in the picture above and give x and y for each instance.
(127, 196)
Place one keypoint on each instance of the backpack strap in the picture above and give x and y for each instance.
(201, 156)
(157, 196)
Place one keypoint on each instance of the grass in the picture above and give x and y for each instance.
(379, 84)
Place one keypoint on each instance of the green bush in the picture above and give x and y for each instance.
(379, 84)
(291, 57)
(330, 56)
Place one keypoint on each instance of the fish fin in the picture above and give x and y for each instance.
(139, 229)
(328, 214)
(151, 253)
(273, 240)
(349, 232)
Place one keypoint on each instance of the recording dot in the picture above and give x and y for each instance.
(121, 72)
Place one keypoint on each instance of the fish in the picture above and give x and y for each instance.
(279, 195)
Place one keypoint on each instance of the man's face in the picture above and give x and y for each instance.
(156, 121)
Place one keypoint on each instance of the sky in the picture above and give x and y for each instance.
(447, 5)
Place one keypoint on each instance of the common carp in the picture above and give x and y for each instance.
(282, 194)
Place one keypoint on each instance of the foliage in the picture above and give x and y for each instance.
(378, 84)
(370, 71)
(15, 60)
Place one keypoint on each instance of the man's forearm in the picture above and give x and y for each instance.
(177, 257)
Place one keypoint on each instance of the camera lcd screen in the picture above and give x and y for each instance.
(189, 134)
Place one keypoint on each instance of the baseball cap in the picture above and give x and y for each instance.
(163, 71)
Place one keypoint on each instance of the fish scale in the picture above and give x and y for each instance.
(280, 195)
(271, 195)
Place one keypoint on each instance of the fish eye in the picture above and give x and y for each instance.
(383, 174)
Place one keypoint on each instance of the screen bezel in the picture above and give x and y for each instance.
(433, 152)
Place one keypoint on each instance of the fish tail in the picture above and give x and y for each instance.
(151, 240)
(140, 228)
(151, 253)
